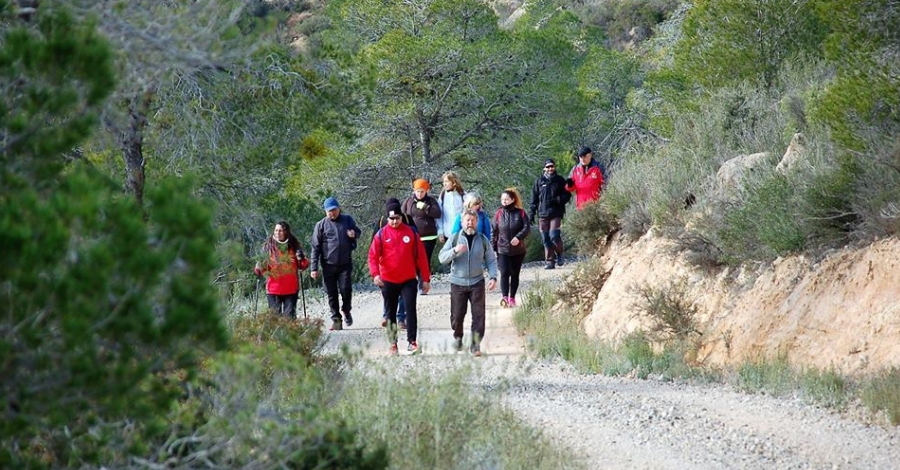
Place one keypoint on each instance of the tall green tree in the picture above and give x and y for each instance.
(728, 41)
(449, 88)
(862, 105)
(103, 313)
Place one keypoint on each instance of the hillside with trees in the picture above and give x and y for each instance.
(147, 147)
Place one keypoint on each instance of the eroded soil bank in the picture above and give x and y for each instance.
(842, 311)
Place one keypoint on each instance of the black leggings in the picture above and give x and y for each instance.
(510, 266)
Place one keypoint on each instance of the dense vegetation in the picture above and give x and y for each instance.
(147, 148)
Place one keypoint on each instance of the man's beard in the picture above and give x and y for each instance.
(469, 231)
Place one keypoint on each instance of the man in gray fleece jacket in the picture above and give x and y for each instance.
(469, 254)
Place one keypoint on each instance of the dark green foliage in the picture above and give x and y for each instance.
(53, 77)
(106, 307)
(102, 308)
(863, 103)
(729, 41)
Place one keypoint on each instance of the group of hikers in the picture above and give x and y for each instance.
(405, 238)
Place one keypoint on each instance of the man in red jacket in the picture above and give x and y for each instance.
(586, 178)
(396, 255)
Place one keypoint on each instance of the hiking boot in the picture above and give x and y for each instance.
(512, 301)
(550, 265)
(559, 260)
(457, 344)
(394, 350)
(384, 322)
(475, 349)
(336, 325)
(413, 348)
(402, 324)
(348, 319)
(504, 302)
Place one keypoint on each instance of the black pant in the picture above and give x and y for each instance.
(283, 304)
(460, 297)
(391, 293)
(429, 250)
(337, 279)
(510, 266)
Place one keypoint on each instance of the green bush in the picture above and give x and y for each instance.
(263, 404)
(881, 394)
(589, 227)
(774, 377)
(443, 422)
(824, 387)
(766, 224)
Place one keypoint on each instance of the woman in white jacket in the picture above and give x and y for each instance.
(451, 202)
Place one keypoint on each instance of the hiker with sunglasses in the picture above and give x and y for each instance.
(548, 207)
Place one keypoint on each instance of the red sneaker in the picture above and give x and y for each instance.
(413, 348)
(394, 350)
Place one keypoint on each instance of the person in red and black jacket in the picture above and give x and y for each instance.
(586, 178)
(285, 257)
(396, 256)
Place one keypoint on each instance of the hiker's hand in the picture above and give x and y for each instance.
(461, 248)
(304, 263)
(426, 287)
(492, 284)
(257, 271)
(378, 282)
(314, 274)
(443, 239)
(515, 241)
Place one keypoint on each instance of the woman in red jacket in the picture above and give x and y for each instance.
(396, 256)
(285, 258)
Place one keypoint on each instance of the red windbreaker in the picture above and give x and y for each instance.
(396, 254)
(281, 270)
(588, 182)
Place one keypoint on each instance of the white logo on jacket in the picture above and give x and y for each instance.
(406, 239)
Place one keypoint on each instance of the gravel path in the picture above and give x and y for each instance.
(622, 423)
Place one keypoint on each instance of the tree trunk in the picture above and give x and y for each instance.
(133, 144)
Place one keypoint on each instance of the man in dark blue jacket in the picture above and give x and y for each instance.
(333, 240)
(548, 206)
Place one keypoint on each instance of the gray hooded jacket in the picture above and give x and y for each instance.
(467, 269)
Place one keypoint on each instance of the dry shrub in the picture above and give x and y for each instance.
(583, 285)
(672, 314)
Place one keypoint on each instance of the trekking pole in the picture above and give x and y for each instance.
(303, 298)
(256, 297)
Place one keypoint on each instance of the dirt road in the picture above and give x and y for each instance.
(621, 423)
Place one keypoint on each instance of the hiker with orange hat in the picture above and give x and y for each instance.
(425, 212)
